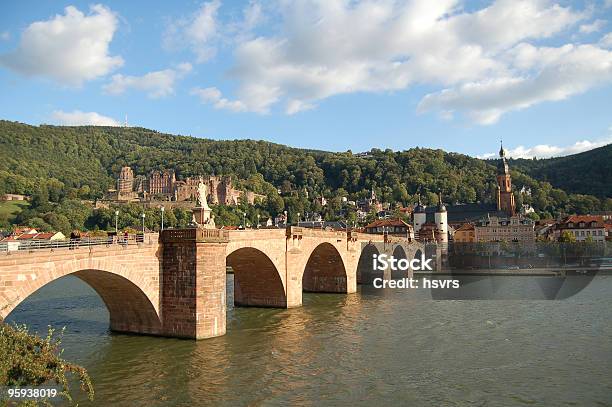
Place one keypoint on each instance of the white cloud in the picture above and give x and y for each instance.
(156, 84)
(198, 31)
(555, 74)
(213, 96)
(79, 118)
(595, 26)
(5, 36)
(547, 151)
(606, 41)
(69, 48)
(327, 48)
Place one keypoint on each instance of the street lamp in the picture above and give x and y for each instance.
(298, 223)
(244, 220)
(143, 225)
(257, 221)
(116, 222)
(162, 212)
(285, 212)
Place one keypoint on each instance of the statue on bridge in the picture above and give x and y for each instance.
(202, 214)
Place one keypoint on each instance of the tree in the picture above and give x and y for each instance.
(567, 237)
(274, 203)
(533, 216)
(40, 225)
(40, 198)
(400, 194)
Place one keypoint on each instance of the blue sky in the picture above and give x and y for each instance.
(329, 75)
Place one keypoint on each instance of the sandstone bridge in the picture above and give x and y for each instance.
(175, 284)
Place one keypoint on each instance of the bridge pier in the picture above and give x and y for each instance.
(193, 283)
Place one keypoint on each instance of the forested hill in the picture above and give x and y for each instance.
(585, 173)
(84, 161)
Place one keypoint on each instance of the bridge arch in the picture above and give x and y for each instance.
(400, 254)
(130, 307)
(417, 254)
(365, 269)
(257, 281)
(325, 270)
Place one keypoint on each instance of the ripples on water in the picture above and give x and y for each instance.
(375, 347)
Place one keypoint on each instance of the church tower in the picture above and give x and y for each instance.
(505, 198)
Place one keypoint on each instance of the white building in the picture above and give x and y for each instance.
(583, 227)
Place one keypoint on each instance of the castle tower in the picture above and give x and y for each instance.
(505, 198)
(441, 218)
(125, 182)
(419, 217)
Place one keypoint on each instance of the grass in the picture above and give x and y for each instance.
(12, 208)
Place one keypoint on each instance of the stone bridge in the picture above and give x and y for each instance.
(175, 285)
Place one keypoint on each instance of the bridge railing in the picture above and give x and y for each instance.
(16, 246)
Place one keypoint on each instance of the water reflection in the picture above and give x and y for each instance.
(374, 347)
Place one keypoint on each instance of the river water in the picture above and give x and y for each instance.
(376, 347)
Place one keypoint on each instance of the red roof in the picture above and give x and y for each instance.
(45, 236)
(25, 236)
(587, 219)
(24, 229)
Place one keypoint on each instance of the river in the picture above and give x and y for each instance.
(375, 347)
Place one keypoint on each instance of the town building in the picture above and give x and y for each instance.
(507, 229)
(582, 227)
(545, 230)
(370, 204)
(394, 227)
(13, 197)
(465, 234)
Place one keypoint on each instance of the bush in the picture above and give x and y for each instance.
(28, 360)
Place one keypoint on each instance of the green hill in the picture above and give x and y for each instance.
(585, 173)
(83, 162)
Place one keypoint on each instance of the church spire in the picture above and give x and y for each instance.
(502, 152)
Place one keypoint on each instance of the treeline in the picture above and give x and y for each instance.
(72, 164)
(584, 173)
